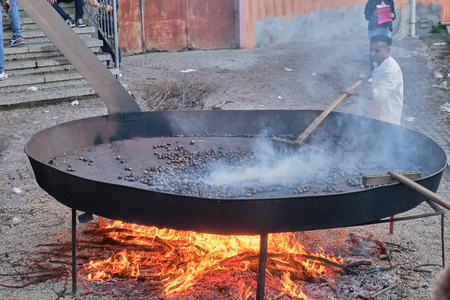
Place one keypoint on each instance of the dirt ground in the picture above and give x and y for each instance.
(306, 76)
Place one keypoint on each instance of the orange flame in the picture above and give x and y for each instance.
(185, 258)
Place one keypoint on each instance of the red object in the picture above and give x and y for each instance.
(384, 14)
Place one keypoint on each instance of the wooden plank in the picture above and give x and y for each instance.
(381, 179)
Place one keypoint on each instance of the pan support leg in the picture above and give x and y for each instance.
(442, 241)
(74, 251)
(262, 267)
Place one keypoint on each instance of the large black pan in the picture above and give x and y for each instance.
(231, 216)
(222, 216)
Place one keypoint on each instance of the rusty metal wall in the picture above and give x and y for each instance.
(130, 26)
(174, 25)
(165, 25)
(211, 24)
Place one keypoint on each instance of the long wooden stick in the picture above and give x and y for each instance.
(323, 115)
(417, 187)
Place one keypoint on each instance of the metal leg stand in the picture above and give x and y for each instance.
(442, 241)
(262, 267)
(74, 251)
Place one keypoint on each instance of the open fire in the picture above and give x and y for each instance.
(182, 260)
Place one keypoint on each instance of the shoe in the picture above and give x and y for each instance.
(70, 23)
(80, 23)
(15, 41)
(3, 76)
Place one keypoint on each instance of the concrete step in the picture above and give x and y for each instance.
(53, 94)
(44, 49)
(60, 93)
(25, 20)
(37, 36)
(20, 83)
(44, 65)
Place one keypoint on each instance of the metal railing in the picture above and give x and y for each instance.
(103, 14)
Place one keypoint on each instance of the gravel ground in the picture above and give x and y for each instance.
(306, 76)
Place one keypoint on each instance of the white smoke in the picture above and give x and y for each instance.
(271, 167)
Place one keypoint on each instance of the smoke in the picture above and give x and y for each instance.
(274, 166)
(356, 150)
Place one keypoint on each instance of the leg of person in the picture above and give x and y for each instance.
(15, 25)
(79, 13)
(3, 75)
(106, 49)
(63, 14)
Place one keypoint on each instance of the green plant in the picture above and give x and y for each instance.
(436, 29)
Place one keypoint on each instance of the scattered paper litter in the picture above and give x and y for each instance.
(32, 88)
(445, 107)
(188, 71)
(439, 44)
(288, 69)
(279, 97)
(438, 75)
(442, 85)
(16, 220)
(17, 190)
(74, 103)
(410, 119)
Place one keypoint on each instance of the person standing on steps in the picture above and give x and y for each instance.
(7, 6)
(16, 25)
(78, 12)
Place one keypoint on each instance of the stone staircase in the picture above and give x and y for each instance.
(37, 70)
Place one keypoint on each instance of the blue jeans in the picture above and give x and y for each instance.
(78, 9)
(15, 19)
(2, 49)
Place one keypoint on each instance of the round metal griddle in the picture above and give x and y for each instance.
(232, 216)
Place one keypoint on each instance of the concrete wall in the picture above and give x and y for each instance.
(317, 26)
(427, 16)
(283, 22)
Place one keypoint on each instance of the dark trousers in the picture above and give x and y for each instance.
(78, 9)
(107, 49)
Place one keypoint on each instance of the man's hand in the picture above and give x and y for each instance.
(7, 5)
(51, 1)
(363, 77)
(349, 91)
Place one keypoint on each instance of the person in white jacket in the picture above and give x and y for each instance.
(387, 83)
